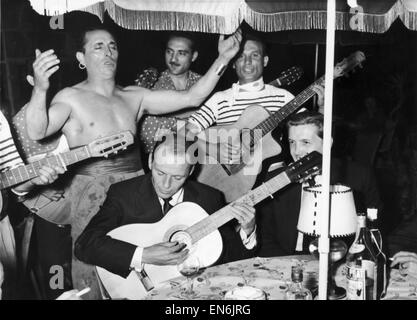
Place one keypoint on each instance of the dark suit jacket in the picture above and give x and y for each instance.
(135, 201)
(277, 218)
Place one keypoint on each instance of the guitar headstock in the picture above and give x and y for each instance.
(103, 147)
(304, 168)
(349, 64)
(147, 78)
(290, 75)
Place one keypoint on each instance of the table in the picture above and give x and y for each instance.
(269, 274)
(272, 275)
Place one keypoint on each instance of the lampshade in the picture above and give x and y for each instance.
(343, 218)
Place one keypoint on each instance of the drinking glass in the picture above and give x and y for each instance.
(189, 268)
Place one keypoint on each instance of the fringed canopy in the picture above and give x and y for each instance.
(225, 16)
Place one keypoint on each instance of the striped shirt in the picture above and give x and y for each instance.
(9, 157)
(225, 107)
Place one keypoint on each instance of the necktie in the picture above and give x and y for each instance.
(167, 205)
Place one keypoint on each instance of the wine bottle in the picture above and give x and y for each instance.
(296, 290)
(361, 265)
(381, 260)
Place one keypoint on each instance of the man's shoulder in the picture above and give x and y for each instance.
(134, 183)
(220, 95)
(67, 94)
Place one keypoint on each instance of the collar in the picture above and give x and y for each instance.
(178, 197)
(253, 86)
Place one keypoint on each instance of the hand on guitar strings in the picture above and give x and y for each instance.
(165, 253)
(245, 215)
(320, 95)
(229, 153)
(47, 175)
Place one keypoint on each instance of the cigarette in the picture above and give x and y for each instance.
(83, 291)
(391, 258)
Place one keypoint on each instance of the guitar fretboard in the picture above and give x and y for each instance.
(274, 120)
(222, 216)
(21, 174)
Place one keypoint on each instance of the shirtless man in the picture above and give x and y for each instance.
(97, 107)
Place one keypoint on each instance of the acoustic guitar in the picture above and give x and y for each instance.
(102, 147)
(254, 126)
(188, 223)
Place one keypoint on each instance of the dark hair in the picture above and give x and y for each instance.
(307, 117)
(256, 38)
(81, 41)
(186, 35)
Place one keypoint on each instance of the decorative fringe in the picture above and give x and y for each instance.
(265, 22)
(98, 9)
(305, 20)
(163, 20)
(409, 18)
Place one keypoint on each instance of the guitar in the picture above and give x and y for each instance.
(188, 223)
(101, 147)
(257, 142)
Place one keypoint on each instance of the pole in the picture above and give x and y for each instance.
(324, 197)
(316, 67)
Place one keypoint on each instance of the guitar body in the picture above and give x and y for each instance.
(235, 185)
(179, 218)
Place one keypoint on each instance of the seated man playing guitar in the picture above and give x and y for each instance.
(146, 199)
(277, 218)
(249, 103)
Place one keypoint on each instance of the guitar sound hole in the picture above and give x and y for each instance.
(181, 237)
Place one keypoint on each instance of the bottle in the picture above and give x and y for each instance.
(296, 290)
(361, 265)
(381, 260)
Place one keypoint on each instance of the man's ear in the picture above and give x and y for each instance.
(266, 60)
(150, 160)
(80, 57)
(195, 55)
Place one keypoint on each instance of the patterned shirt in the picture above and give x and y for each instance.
(165, 81)
(225, 107)
(150, 123)
(9, 157)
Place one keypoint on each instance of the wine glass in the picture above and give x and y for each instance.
(189, 268)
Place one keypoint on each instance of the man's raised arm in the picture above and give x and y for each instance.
(39, 123)
(164, 101)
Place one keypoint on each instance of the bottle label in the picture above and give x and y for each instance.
(361, 281)
(356, 248)
(355, 283)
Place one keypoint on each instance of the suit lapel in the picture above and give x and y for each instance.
(148, 199)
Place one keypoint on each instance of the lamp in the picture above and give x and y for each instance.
(343, 222)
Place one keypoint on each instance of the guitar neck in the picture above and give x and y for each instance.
(222, 216)
(21, 174)
(273, 121)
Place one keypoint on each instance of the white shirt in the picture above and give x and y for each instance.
(248, 241)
